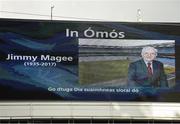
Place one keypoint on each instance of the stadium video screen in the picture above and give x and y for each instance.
(89, 61)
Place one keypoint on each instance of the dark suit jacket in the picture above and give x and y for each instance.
(138, 75)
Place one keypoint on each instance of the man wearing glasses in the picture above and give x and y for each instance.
(147, 72)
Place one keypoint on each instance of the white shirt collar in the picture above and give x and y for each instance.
(146, 62)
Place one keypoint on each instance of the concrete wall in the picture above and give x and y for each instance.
(110, 110)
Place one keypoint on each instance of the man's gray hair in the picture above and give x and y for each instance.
(145, 49)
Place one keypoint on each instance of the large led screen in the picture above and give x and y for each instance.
(89, 61)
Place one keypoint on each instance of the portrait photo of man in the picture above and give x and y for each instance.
(147, 72)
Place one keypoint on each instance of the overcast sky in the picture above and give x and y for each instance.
(102, 10)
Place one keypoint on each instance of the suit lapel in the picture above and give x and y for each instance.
(145, 70)
(144, 67)
(155, 69)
